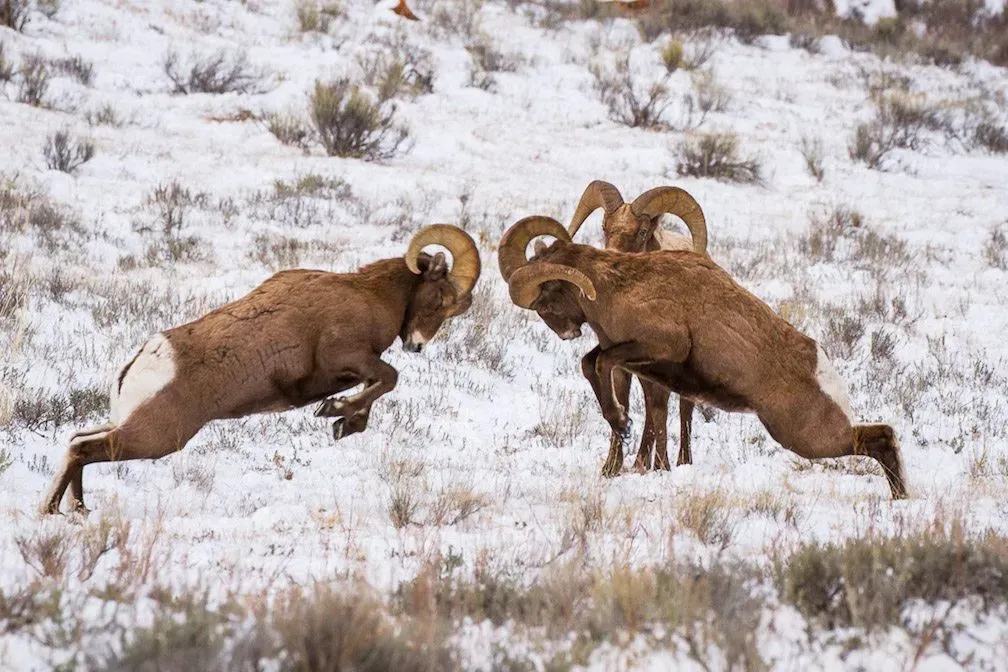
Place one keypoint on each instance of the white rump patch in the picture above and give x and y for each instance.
(831, 383)
(668, 240)
(145, 376)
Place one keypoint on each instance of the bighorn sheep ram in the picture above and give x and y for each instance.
(679, 320)
(300, 337)
(633, 227)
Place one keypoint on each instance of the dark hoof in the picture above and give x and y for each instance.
(78, 508)
(624, 434)
(339, 429)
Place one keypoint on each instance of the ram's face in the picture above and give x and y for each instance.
(434, 301)
(626, 232)
(559, 309)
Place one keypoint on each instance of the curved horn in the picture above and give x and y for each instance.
(525, 282)
(598, 194)
(465, 268)
(511, 249)
(656, 202)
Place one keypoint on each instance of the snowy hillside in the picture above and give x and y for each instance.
(470, 520)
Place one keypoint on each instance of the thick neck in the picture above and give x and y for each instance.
(395, 283)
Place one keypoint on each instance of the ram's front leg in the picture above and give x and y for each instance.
(353, 411)
(606, 365)
(614, 460)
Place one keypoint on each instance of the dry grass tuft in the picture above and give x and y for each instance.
(716, 155)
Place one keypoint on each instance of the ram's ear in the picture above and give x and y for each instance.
(539, 247)
(437, 269)
(646, 232)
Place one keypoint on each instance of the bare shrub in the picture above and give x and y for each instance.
(867, 580)
(6, 67)
(455, 19)
(350, 124)
(289, 129)
(277, 252)
(34, 81)
(487, 57)
(398, 69)
(709, 515)
(76, 68)
(404, 503)
(14, 13)
(991, 135)
(812, 151)
(67, 154)
(700, 48)
(900, 122)
(14, 290)
(37, 410)
(316, 17)
(105, 115)
(843, 333)
(456, 504)
(883, 345)
(716, 155)
(995, 250)
(185, 633)
(827, 231)
(46, 553)
(332, 628)
(221, 72)
(171, 203)
(26, 210)
(630, 102)
(710, 95)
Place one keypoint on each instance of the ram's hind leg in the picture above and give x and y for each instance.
(132, 440)
(685, 432)
(655, 433)
(815, 428)
(879, 442)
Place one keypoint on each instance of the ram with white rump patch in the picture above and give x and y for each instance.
(300, 337)
(679, 320)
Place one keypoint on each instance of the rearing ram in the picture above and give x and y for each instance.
(633, 227)
(678, 319)
(300, 337)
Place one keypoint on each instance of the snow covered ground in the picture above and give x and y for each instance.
(908, 300)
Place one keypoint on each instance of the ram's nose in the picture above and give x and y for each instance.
(409, 346)
(571, 334)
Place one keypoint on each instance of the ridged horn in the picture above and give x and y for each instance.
(511, 249)
(598, 194)
(525, 282)
(656, 202)
(465, 268)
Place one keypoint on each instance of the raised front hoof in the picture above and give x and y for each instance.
(332, 407)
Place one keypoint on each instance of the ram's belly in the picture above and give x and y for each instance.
(687, 383)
